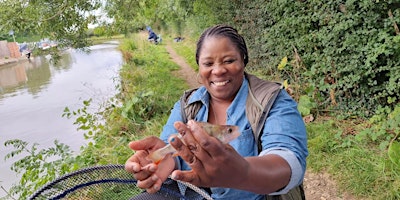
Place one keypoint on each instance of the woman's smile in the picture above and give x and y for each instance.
(220, 83)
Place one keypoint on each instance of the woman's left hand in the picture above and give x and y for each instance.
(213, 163)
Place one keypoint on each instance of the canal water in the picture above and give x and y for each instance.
(33, 95)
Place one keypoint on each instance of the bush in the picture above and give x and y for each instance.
(349, 51)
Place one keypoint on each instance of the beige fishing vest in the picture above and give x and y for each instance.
(262, 95)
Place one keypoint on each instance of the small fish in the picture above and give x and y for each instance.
(225, 133)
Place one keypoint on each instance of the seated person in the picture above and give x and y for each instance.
(152, 36)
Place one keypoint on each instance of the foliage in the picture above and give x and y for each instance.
(63, 21)
(393, 152)
(127, 48)
(131, 15)
(384, 130)
(305, 105)
(85, 120)
(39, 166)
(103, 30)
(101, 40)
(348, 51)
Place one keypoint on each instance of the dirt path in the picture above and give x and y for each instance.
(186, 72)
(316, 186)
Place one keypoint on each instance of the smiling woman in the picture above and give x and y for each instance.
(267, 159)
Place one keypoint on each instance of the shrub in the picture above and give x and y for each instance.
(349, 51)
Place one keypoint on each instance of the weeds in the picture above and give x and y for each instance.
(360, 167)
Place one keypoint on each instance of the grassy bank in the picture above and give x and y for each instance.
(99, 40)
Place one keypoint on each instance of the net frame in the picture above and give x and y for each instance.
(92, 179)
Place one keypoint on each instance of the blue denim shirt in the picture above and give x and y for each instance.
(284, 134)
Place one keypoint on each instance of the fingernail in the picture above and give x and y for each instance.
(156, 187)
(174, 176)
(182, 133)
(154, 178)
(173, 139)
(136, 168)
(152, 168)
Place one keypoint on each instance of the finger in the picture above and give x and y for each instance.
(151, 168)
(210, 145)
(137, 161)
(192, 152)
(155, 188)
(148, 183)
(132, 167)
(182, 150)
(145, 172)
(186, 176)
(187, 137)
(181, 127)
(146, 143)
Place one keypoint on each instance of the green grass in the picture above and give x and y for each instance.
(98, 40)
(186, 49)
(359, 168)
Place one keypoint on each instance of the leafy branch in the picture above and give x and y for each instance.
(59, 12)
(38, 166)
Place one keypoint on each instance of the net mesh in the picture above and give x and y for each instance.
(108, 182)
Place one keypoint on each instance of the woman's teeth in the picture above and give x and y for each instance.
(221, 83)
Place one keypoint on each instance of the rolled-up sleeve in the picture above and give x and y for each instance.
(295, 166)
(284, 134)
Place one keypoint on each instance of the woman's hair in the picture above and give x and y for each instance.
(224, 31)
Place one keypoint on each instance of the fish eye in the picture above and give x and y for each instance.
(230, 130)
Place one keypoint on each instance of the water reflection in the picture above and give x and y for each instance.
(12, 76)
(32, 75)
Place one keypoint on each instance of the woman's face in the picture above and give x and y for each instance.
(221, 68)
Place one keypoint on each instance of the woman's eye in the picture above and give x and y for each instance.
(207, 64)
(229, 61)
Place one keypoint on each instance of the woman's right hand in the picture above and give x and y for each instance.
(149, 175)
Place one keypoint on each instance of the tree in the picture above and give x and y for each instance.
(64, 21)
(131, 15)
